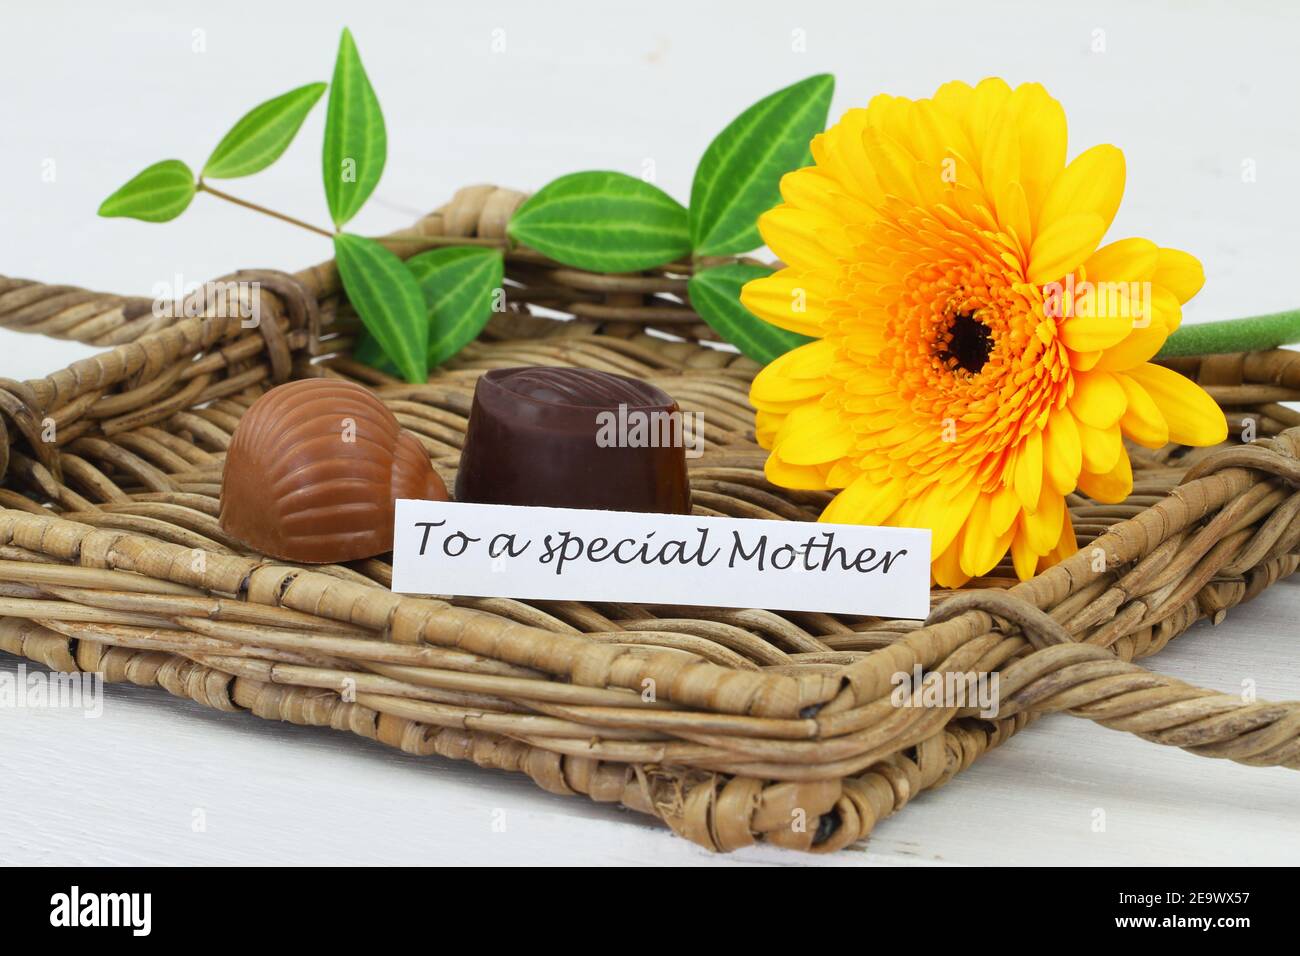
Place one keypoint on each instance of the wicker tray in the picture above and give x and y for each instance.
(764, 726)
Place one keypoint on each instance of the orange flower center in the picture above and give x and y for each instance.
(966, 343)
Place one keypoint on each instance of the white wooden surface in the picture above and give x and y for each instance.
(1194, 93)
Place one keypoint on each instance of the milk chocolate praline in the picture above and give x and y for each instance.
(313, 471)
(535, 438)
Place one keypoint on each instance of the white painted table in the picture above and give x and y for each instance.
(1194, 98)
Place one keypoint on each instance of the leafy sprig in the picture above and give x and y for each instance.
(739, 176)
(460, 285)
(611, 222)
(356, 142)
(420, 313)
(603, 222)
(262, 134)
(411, 322)
(157, 194)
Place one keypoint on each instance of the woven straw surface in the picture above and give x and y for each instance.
(760, 725)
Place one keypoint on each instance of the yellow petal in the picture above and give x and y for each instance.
(1098, 399)
(1029, 470)
(1112, 487)
(843, 473)
(894, 166)
(1043, 527)
(939, 136)
(1000, 159)
(813, 434)
(1065, 547)
(803, 239)
(990, 95)
(891, 115)
(1023, 556)
(867, 342)
(943, 509)
(921, 136)
(1140, 345)
(1165, 307)
(840, 153)
(1142, 421)
(785, 475)
(1180, 273)
(1041, 121)
(1062, 245)
(865, 502)
(766, 425)
(1127, 305)
(1082, 361)
(1094, 334)
(1003, 509)
(955, 99)
(981, 548)
(1125, 260)
(946, 568)
(814, 189)
(1101, 448)
(1192, 416)
(793, 299)
(1092, 184)
(1062, 451)
(793, 378)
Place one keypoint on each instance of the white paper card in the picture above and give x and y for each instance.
(563, 554)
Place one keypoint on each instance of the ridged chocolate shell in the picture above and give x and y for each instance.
(313, 471)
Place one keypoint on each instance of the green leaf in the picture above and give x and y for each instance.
(604, 222)
(388, 299)
(368, 351)
(715, 295)
(458, 284)
(262, 134)
(356, 144)
(160, 193)
(739, 176)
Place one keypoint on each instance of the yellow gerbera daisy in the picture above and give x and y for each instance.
(977, 356)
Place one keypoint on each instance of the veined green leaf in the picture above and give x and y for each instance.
(356, 144)
(368, 351)
(159, 193)
(262, 134)
(458, 285)
(715, 295)
(739, 175)
(388, 299)
(604, 222)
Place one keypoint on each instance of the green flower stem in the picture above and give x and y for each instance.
(204, 187)
(1254, 334)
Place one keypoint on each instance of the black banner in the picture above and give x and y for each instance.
(134, 906)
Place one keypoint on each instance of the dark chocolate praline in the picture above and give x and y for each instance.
(541, 436)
